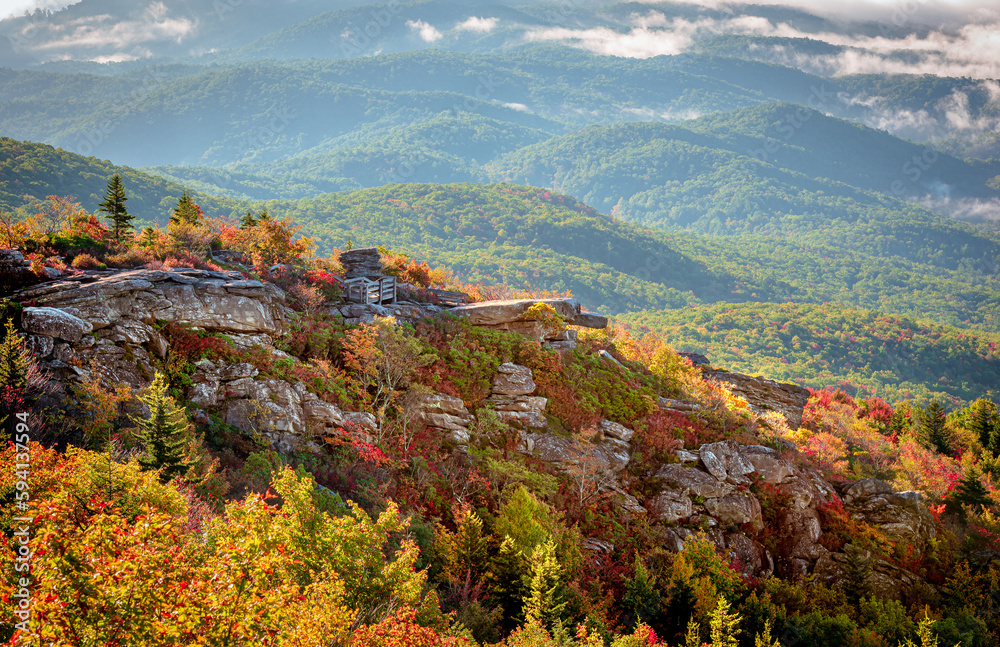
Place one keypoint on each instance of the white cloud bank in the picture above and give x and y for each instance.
(427, 32)
(970, 47)
(478, 24)
(106, 31)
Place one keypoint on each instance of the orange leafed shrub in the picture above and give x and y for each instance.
(87, 262)
(266, 242)
(402, 630)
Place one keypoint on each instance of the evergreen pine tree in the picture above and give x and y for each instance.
(20, 379)
(165, 432)
(724, 625)
(933, 429)
(544, 600)
(16, 362)
(985, 425)
(642, 600)
(505, 583)
(186, 212)
(970, 492)
(857, 571)
(114, 206)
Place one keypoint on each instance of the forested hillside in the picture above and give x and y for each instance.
(865, 352)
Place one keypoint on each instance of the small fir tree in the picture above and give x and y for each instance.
(642, 600)
(165, 432)
(16, 362)
(725, 625)
(545, 600)
(933, 428)
(114, 206)
(20, 379)
(857, 572)
(985, 425)
(970, 492)
(186, 212)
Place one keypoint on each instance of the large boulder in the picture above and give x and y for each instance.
(362, 262)
(52, 322)
(616, 430)
(512, 379)
(865, 488)
(670, 506)
(901, 516)
(496, 313)
(767, 395)
(691, 481)
(735, 507)
(768, 464)
(574, 455)
(723, 460)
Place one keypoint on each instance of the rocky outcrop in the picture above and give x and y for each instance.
(364, 262)
(766, 395)
(105, 319)
(445, 412)
(216, 301)
(14, 270)
(363, 313)
(511, 397)
(287, 414)
(513, 315)
(576, 456)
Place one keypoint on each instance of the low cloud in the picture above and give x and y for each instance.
(105, 31)
(520, 107)
(964, 45)
(153, 24)
(427, 32)
(964, 208)
(479, 25)
(950, 116)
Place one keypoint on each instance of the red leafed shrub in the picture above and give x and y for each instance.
(660, 434)
(878, 411)
(839, 528)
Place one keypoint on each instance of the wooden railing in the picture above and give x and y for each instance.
(449, 299)
(364, 290)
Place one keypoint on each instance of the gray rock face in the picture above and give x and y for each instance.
(218, 301)
(444, 412)
(735, 507)
(865, 488)
(512, 315)
(671, 506)
(52, 322)
(901, 516)
(724, 459)
(569, 454)
(512, 379)
(767, 395)
(768, 465)
(691, 481)
(40, 345)
(361, 313)
(615, 430)
(363, 262)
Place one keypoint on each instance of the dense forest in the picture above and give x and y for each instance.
(866, 353)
